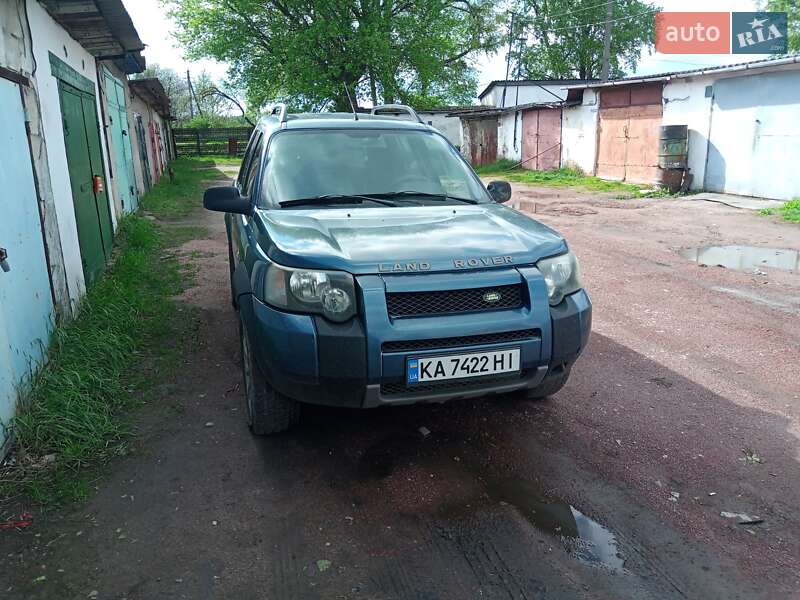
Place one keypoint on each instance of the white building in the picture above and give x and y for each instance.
(743, 127)
(526, 91)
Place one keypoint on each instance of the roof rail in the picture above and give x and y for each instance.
(376, 110)
(282, 115)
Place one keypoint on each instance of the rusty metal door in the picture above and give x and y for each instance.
(541, 139)
(612, 148)
(627, 144)
(482, 141)
(641, 165)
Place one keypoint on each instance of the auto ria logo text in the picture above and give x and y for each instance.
(721, 32)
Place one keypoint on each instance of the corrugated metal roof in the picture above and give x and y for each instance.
(103, 27)
(489, 111)
(151, 91)
(742, 66)
(528, 82)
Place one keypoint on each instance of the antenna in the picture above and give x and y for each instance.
(352, 106)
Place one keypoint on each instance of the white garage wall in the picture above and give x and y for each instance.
(685, 103)
(450, 127)
(527, 94)
(49, 36)
(579, 133)
(507, 146)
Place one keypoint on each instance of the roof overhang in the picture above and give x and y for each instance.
(103, 27)
(748, 66)
(529, 82)
(491, 111)
(152, 92)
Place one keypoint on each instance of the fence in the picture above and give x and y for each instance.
(217, 140)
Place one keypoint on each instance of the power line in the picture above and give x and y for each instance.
(571, 12)
(603, 22)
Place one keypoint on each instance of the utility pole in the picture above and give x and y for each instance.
(607, 40)
(508, 59)
(189, 86)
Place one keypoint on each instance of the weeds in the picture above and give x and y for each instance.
(564, 177)
(177, 197)
(789, 211)
(103, 362)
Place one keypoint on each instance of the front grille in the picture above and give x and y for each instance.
(464, 340)
(395, 388)
(411, 304)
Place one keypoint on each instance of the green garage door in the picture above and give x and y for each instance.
(84, 157)
(121, 143)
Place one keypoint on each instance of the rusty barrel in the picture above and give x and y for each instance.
(673, 152)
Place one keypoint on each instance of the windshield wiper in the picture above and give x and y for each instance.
(442, 197)
(334, 199)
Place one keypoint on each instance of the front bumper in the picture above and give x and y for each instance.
(362, 363)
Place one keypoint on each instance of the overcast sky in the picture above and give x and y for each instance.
(155, 29)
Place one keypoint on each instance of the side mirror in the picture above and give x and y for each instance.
(227, 199)
(500, 191)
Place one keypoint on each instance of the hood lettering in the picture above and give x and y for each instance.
(408, 267)
(484, 261)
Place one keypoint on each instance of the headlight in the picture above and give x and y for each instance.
(562, 275)
(329, 293)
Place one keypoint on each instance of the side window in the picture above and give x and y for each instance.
(252, 167)
(248, 153)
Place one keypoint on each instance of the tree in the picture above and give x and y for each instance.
(564, 38)
(211, 106)
(792, 10)
(174, 85)
(312, 54)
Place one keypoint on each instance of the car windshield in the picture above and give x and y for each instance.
(362, 162)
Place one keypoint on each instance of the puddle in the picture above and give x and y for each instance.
(744, 258)
(589, 541)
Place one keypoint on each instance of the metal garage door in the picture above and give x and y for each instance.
(541, 138)
(121, 143)
(754, 142)
(84, 159)
(482, 141)
(26, 307)
(630, 118)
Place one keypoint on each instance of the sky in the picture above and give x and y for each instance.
(155, 29)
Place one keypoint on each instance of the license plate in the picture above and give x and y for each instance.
(460, 366)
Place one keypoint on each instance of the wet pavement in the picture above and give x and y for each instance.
(684, 406)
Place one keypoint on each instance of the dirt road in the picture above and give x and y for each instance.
(684, 405)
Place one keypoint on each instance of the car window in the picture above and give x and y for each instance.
(306, 164)
(248, 153)
(252, 166)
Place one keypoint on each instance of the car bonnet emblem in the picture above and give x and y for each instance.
(491, 297)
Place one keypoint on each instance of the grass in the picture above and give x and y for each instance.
(564, 177)
(105, 361)
(789, 211)
(177, 198)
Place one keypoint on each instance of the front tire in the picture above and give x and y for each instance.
(268, 411)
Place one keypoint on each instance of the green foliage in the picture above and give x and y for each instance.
(789, 211)
(564, 177)
(504, 164)
(308, 54)
(564, 38)
(206, 121)
(792, 10)
(105, 360)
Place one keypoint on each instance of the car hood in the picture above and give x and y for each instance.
(405, 239)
